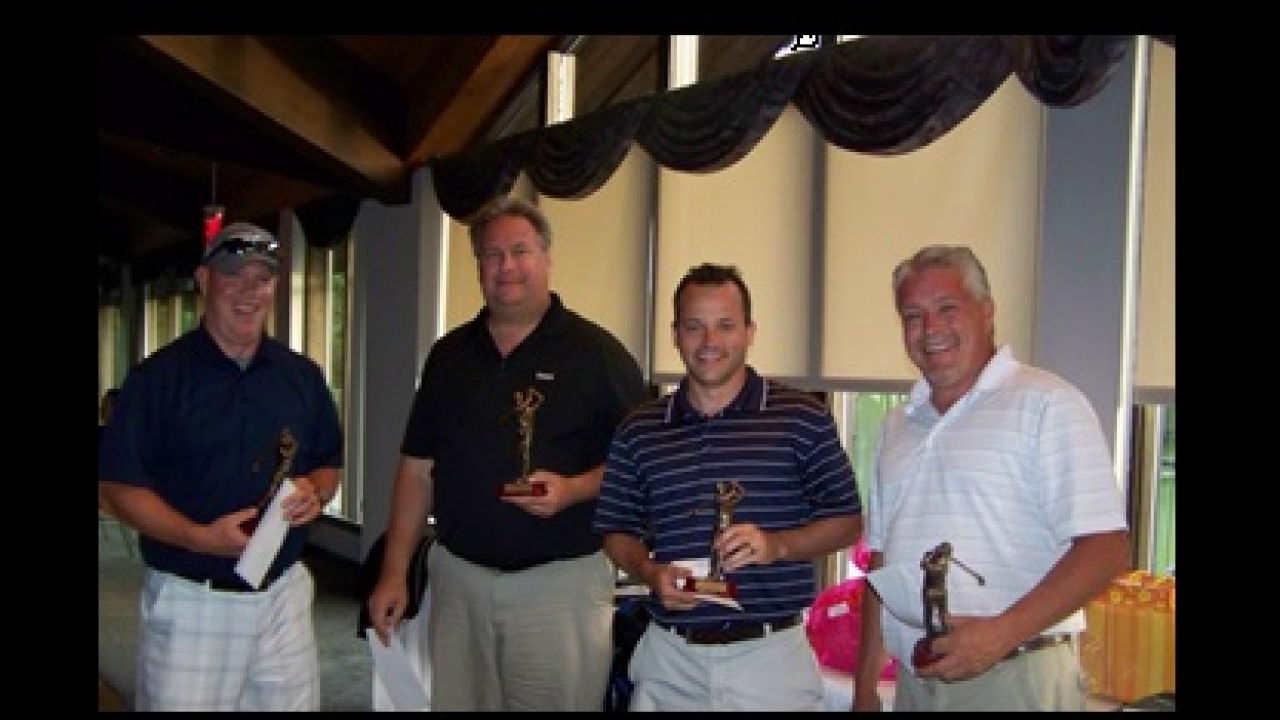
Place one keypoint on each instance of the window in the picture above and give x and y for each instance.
(1166, 515)
(324, 338)
(858, 416)
(113, 346)
(1152, 488)
(170, 309)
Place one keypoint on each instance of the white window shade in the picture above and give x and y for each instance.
(600, 252)
(1154, 366)
(757, 215)
(463, 296)
(978, 185)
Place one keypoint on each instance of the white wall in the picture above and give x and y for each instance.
(395, 292)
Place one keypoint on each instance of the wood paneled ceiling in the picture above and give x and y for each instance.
(259, 123)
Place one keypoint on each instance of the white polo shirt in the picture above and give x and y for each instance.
(1013, 471)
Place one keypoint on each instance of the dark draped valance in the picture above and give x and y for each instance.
(327, 222)
(709, 126)
(883, 95)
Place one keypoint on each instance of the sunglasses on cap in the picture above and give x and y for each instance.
(240, 246)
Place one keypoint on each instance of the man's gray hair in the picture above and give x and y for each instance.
(959, 257)
(508, 206)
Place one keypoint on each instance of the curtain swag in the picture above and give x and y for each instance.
(326, 223)
(881, 95)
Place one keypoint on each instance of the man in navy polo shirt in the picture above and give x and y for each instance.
(202, 430)
(735, 473)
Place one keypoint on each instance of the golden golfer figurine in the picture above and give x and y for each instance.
(286, 448)
(527, 404)
(933, 592)
(728, 494)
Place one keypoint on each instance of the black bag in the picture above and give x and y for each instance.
(371, 568)
(630, 619)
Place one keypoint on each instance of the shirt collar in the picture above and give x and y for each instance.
(998, 368)
(554, 320)
(752, 397)
(208, 348)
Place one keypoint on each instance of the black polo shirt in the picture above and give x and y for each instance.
(463, 418)
(203, 434)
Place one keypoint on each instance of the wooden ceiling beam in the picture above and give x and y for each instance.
(267, 90)
(502, 64)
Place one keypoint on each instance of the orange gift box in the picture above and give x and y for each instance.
(1127, 650)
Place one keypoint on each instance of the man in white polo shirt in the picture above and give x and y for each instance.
(1008, 464)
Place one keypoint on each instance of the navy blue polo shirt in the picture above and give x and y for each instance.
(463, 418)
(781, 444)
(203, 434)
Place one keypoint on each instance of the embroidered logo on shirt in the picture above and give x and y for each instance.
(546, 376)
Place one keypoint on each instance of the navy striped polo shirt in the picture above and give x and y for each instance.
(780, 443)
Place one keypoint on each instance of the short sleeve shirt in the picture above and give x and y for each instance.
(780, 444)
(204, 434)
(463, 418)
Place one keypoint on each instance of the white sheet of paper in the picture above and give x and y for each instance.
(412, 636)
(266, 540)
(392, 666)
(700, 568)
(720, 600)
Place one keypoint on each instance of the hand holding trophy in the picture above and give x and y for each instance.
(934, 594)
(728, 494)
(526, 405)
(286, 447)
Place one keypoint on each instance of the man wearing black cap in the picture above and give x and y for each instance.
(203, 431)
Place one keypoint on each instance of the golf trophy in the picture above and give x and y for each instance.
(526, 406)
(934, 594)
(286, 447)
(728, 494)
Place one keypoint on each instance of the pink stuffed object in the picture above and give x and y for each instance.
(834, 623)
(861, 555)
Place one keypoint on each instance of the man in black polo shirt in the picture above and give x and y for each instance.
(197, 439)
(505, 447)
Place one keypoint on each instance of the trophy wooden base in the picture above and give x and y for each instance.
(707, 586)
(923, 653)
(524, 489)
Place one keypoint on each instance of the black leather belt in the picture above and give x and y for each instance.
(1039, 642)
(232, 585)
(730, 632)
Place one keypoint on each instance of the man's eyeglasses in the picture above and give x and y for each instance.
(240, 246)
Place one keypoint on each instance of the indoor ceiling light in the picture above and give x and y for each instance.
(213, 212)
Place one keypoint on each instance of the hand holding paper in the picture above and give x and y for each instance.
(394, 668)
(265, 542)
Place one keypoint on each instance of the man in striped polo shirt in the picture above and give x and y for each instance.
(732, 472)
